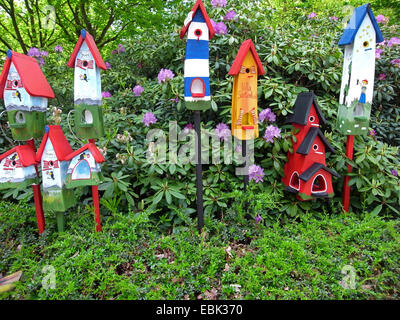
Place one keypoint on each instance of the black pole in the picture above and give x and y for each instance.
(244, 155)
(199, 178)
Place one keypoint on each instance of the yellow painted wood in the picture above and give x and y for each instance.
(244, 100)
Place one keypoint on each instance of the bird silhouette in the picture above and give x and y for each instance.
(18, 94)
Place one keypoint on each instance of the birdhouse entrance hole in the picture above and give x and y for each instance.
(87, 117)
(198, 88)
(85, 63)
(295, 181)
(319, 184)
(20, 117)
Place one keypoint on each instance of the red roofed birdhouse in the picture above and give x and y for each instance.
(52, 154)
(84, 167)
(305, 172)
(17, 167)
(25, 91)
(246, 68)
(87, 62)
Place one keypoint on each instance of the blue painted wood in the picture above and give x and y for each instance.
(198, 17)
(355, 22)
(188, 82)
(197, 49)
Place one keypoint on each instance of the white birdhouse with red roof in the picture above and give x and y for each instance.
(17, 167)
(84, 168)
(25, 91)
(52, 155)
(87, 62)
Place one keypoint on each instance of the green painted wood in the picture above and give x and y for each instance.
(33, 127)
(95, 179)
(85, 130)
(60, 221)
(198, 105)
(58, 200)
(350, 124)
(19, 185)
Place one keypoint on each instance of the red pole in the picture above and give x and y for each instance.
(346, 187)
(96, 204)
(37, 197)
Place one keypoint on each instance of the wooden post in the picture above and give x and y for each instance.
(96, 203)
(346, 187)
(37, 197)
(199, 178)
(244, 155)
(60, 221)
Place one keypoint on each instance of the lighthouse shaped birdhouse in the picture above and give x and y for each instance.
(359, 40)
(84, 167)
(305, 172)
(25, 91)
(199, 31)
(52, 155)
(87, 62)
(246, 68)
(17, 168)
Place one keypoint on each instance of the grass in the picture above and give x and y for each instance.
(234, 258)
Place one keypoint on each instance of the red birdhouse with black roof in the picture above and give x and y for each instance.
(25, 91)
(306, 173)
(87, 62)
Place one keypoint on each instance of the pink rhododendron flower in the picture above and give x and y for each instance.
(138, 90)
(164, 75)
(311, 15)
(396, 62)
(381, 18)
(108, 65)
(393, 41)
(58, 48)
(378, 53)
(256, 173)
(230, 15)
(333, 18)
(220, 28)
(272, 132)
(149, 118)
(106, 94)
(222, 131)
(382, 76)
(268, 115)
(218, 3)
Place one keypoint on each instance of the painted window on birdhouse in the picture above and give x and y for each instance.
(20, 117)
(87, 117)
(319, 184)
(82, 170)
(295, 181)
(198, 88)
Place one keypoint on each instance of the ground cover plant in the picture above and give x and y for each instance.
(278, 247)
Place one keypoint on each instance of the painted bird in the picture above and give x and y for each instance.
(18, 94)
(84, 77)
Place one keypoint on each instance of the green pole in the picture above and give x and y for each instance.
(60, 221)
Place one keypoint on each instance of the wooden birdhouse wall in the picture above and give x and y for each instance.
(84, 172)
(87, 81)
(16, 97)
(11, 170)
(53, 171)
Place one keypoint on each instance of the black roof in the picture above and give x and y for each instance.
(306, 175)
(302, 109)
(306, 144)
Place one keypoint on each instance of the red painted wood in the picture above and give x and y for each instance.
(346, 187)
(95, 196)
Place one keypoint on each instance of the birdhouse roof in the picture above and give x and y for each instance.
(308, 141)
(58, 140)
(25, 153)
(198, 6)
(98, 157)
(237, 63)
(302, 109)
(32, 77)
(86, 36)
(313, 169)
(355, 22)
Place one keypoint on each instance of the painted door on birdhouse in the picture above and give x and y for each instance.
(357, 88)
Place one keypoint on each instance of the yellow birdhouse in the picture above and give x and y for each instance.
(246, 68)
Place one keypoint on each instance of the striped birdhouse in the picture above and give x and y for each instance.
(25, 91)
(246, 68)
(52, 155)
(306, 173)
(17, 168)
(359, 40)
(199, 31)
(84, 168)
(87, 62)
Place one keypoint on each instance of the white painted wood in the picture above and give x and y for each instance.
(198, 25)
(56, 176)
(197, 68)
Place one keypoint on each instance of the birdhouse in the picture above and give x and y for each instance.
(305, 172)
(246, 68)
(359, 40)
(17, 168)
(87, 62)
(52, 155)
(25, 91)
(199, 32)
(84, 167)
